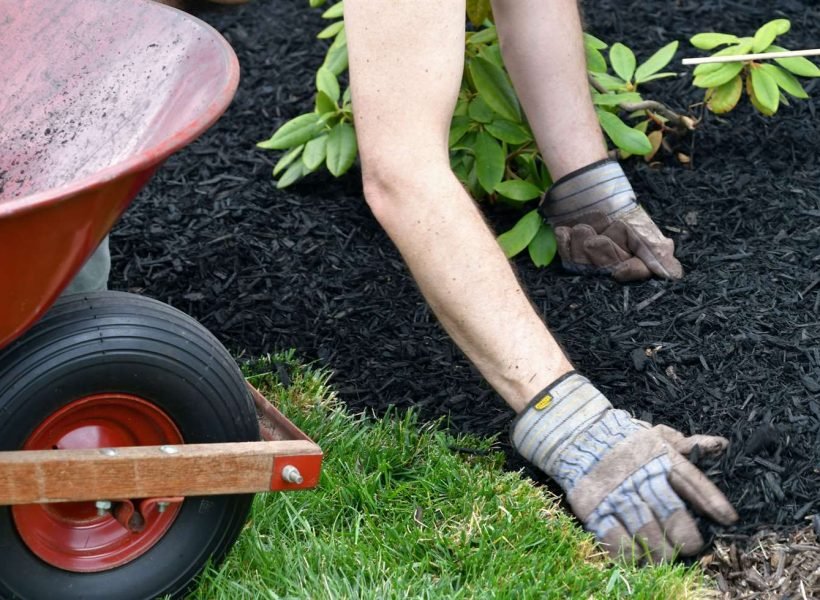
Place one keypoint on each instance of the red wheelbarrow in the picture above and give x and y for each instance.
(129, 441)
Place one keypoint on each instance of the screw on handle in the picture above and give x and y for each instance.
(292, 475)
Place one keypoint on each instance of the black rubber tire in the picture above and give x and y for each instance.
(116, 342)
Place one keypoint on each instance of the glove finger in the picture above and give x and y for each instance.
(603, 252)
(617, 232)
(679, 529)
(707, 444)
(656, 549)
(562, 239)
(617, 541)
(579, 235)
(633, 269)
(645, 241)
(682, 531)
(693, 486)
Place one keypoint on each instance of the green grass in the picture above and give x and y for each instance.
(398, 514)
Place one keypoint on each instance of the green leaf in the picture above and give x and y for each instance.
(316, 3)
(507, 131)
(466, 143)
(315, 152)
(293, 133)
(723, 98)
(522, 233)
(294, 173)
(334, 12)
(765, 89)
(458, 127)
(331, 30)
(544, 176)
(324, 105)
(495, 88)
(785, 81)
(473, 187)
(527, 168)
(518, 190)
(336, 58)
(609, 82)
(490, 160)
(707, 41)
(596, 62)
(765, 110)
(764, 36)
(622, 135)
(615, 99)
(460, 170)
(798, 65)
(287, 158)
(781, 25)
(341, 148)
(461, 106)
(659, 76)
(480, 111)
(726, 72)
(327, 82)
(492, 53)
(485, 36)
(622, 60)
(656, 62)
(543, 246)
(478, 11)
(592, 42)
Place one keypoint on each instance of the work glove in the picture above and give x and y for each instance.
(625, 480)
(600, 228)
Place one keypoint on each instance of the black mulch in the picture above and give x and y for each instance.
(733, 349)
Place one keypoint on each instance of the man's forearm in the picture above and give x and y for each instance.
(543, 49)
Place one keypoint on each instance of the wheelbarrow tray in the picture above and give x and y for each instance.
(96, 94)
(286, 459)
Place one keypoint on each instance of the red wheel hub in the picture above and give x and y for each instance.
(72, 535)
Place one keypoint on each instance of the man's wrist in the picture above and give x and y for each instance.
(600, 187)
(554, 417)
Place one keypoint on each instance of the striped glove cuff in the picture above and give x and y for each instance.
(601, 187)
(568, 428)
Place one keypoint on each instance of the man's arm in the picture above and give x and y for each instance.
(599, 226)
(403, 104)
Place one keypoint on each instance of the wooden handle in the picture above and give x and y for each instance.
(757, 56)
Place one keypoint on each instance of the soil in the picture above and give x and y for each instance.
(732, 349)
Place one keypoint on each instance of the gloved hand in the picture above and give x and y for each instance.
(626, 481)
(600, 228)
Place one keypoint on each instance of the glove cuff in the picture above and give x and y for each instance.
(554, 418)
(600, 187)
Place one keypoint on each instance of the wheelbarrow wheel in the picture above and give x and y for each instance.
(113, 369)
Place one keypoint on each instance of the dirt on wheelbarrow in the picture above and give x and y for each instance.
(732, 349)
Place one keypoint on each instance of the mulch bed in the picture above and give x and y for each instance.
(732, 349)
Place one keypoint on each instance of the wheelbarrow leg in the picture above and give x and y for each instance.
(93, 277)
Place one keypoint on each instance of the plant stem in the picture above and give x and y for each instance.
(681, 122)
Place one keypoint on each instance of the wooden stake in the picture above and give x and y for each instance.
(744, 57)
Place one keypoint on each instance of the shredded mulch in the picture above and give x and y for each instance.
(732, 349)
(766, 565)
